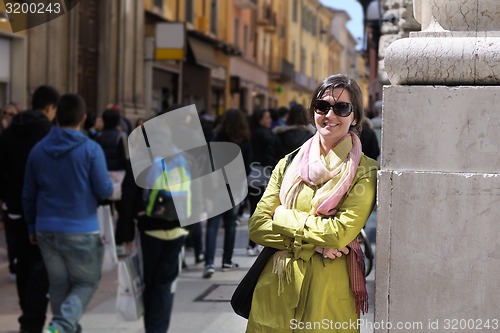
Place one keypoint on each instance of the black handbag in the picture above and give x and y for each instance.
(241, 301)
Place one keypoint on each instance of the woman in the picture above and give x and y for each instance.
(265, 157)
(233, 128)
(312, 213)
(296, 131)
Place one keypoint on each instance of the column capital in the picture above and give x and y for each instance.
(459, 45)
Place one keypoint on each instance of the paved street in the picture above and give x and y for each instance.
(201, 306)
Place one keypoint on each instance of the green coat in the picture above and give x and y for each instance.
(317, 298)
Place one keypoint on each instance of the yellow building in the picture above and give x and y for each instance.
(252, 27)
(94, 49)
(305, 51)
(362, 80)
(246, 54)
(222, 67)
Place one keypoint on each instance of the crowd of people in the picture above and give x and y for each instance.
(54, 173)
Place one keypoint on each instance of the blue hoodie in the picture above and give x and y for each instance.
(65, 176)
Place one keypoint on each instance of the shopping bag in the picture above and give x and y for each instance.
(129, 304)
(117, 178)
(110, 259)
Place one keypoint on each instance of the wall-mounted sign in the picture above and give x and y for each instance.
(170, 41)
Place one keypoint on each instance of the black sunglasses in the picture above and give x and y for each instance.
(341, 109)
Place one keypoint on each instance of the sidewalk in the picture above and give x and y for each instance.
(200, 306)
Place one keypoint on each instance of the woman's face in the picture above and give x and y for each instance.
(7, 114)
(331, 128)
(266, 120)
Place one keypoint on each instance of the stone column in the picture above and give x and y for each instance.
(397, 23)
(438, 224)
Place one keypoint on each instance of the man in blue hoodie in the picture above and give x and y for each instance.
(65, 177)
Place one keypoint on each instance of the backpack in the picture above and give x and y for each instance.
(170, 198)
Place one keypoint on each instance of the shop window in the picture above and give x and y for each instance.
(189, 10)
(3, 94)
(158, 4)
(213, 17)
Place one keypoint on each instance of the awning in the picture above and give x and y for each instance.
(203, 53)
(248, 72)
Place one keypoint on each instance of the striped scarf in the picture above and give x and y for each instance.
(334, 173)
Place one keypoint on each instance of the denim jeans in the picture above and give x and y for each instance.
(229, 219)
(161, 269)
(73, 264)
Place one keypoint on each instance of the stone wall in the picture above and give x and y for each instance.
(439, 184)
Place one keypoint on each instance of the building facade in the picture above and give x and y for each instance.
(96, 50)
(245, 54)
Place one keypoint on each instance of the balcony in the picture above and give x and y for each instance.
(267, 18)
(285, 74)
(312, 83)
(301, 80)
(246, 3)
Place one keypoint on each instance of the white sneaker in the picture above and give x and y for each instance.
(209, 271)
(252, 251)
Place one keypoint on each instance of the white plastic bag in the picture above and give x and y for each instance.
(129, 304)
(107, 232)
(117, 178)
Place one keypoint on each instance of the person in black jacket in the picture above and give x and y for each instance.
(369, 141)
(296, 131)
(26, 129)
(265, 157)
(234, 128)
(113, 141)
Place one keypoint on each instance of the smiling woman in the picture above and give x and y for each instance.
(342, 95)
(312, 214)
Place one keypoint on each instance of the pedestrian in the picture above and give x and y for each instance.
(233, 128)
(124, 123)
(16, 142)
(8, 112)
(162, 237)
(113, 141)
(283, 113)
(265, 157)
(295, 132)
(66, 175)
(312, 213)
(369, 140)
(89, 128)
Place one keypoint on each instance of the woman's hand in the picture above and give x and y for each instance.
(331, 253)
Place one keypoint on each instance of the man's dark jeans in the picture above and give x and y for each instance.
(161, 269)
(32, 281)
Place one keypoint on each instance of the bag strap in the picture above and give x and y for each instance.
(122, 136)
(290, 159)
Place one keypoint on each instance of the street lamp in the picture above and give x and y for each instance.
(373, 12)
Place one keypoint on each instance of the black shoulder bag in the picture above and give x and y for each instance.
(241, 301)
